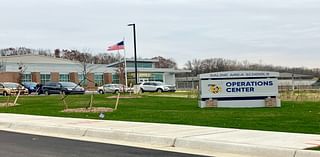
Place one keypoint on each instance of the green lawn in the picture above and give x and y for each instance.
(315, 148)
(301, 117)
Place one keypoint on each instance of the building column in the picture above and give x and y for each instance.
(74, 77)
(55, 76)
(35, 76)
(107, 78)
(91, 83)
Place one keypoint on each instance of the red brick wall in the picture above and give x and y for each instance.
(35, 77)
(107, 78)
(55, 76)
(91, 84)
(74, 77)
(9, 77)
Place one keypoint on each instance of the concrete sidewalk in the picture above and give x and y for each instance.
(210, 139)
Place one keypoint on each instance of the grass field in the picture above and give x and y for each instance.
(315, 148)
(299, 116)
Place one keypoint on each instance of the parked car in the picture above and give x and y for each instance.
(61, 88)
(155, 86)
(31, 86)
(9, 88)
(111, 88)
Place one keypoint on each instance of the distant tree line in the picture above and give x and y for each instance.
(198, 66)
(74, 55)
(24, 51)
(165, 62)
(87, 56)
(84, 56)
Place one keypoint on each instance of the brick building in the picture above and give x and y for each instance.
(42, 69)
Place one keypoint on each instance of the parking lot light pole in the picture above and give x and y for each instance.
(135, 51)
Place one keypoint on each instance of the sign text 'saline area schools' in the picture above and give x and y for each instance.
(239, 87)
(239, 74)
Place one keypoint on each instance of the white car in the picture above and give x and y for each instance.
(156, 86)
(111, 88)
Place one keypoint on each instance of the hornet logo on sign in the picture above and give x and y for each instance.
(213, 88)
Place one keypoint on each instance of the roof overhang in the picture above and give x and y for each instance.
(159, 70)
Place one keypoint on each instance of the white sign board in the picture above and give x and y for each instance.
(239, 88)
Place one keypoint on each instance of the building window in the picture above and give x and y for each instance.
(82, 79)
(140, 65)
(98, 79)
(45, 78)
(115, 78)
(26, 78)
(64, 78)
(157, 77)
(147, 76)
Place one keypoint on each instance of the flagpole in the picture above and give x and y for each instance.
(119, 66)
(125, 64)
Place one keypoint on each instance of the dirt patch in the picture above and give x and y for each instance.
(125, 96)
(87, 110)
(8, 105)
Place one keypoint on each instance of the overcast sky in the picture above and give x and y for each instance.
(279, 32)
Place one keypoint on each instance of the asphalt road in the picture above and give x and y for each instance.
(26, 145)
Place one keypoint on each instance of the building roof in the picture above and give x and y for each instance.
(132, 60)
(26, 59)
(168, 70)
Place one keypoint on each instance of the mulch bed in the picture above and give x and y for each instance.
(88, 110)
(125, 96)
(8, 105)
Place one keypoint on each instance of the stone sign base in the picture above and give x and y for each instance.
(212, 103)
(268, 102)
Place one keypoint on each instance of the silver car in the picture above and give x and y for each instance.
(9, 88)
(111, 88)
(155, 86)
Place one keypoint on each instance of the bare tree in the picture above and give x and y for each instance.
(22, 68)
(57, 53)
(165, 63)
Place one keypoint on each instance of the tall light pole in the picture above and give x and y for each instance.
(135, 51)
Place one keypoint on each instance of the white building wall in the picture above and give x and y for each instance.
(169, 78)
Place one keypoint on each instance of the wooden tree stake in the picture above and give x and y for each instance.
(91, 101)
(8, 99)
(64, 101)
(116, 107)
(17, 97)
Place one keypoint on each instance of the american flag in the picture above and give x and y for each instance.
(118, 46)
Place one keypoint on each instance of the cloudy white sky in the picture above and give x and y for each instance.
(279, 32)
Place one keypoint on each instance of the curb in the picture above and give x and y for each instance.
(234, 148)
(131, 137)
(4, 125)
(307, 153)
(95, 133)
(48, 129)
(166, 141)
